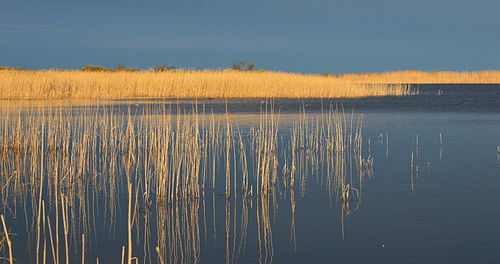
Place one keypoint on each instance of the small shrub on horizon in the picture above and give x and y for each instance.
(121, 67)
(94, 68)
(243, 66)
(127, 70)
(7, 68)
(162, 68)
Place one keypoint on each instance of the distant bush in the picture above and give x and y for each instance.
(128, 70)
(243, 66)
(162, 68)
(326, 75)
(121, 67)
(6, 68)
(261, 70)
(94, 68)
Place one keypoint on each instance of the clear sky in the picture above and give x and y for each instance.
(315, 36)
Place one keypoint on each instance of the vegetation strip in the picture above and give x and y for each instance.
(59, 84)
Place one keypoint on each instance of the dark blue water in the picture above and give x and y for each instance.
(442, 207)
(431, 97)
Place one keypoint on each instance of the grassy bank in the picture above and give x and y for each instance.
(58, 84)
(110, 84)
(419, 77)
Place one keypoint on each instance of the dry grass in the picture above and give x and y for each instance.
(21, 84)
(419, 77)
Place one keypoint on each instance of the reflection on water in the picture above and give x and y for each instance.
(159, 183)
(75, 178)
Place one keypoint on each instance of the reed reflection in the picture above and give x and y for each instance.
(154, 180)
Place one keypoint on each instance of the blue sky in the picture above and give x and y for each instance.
(349, 36)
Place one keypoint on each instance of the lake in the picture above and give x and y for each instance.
(409, 179)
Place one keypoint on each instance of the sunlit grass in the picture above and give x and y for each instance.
(421, 77)
(58, 84)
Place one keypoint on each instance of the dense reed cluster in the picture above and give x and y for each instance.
(17, 84)
(421, 77)
(64, 170)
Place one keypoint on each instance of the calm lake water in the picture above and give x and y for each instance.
(423, 173)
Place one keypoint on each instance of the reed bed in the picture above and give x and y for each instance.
(64, 170)
(421, 77)
(16, 84)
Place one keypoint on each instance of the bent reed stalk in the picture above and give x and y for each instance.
(71, 84)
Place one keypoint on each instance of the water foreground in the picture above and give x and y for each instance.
(413, 182)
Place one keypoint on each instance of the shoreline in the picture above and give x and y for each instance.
(229, 84)
(19, 84)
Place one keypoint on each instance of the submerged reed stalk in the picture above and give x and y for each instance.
(81, 162)
(7, 238)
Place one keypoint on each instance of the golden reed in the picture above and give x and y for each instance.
(420, 77)
(72, 84)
